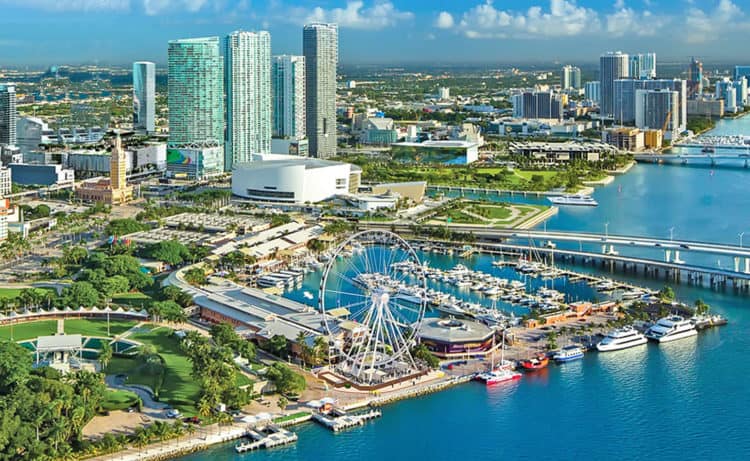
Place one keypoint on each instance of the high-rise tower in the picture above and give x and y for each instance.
(144, 96)
(288, 82)
(320, 48)
(612, 66)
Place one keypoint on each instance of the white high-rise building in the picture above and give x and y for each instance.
(248, 96)
(444, 93)
(144, 96)
(5, 182)
(656, 109)
(320, 46)
(570, 77)
(8, 115)
(288, 82)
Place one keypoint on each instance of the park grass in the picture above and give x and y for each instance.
(135, 299)
(119, 400)
(293, 416)
(10, 293)
(179, 388)
(88, 327)
(29, 330)
(499, 212)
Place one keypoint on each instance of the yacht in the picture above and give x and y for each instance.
(670, 329)
(568, 353)
(621, 338)
(575, 199)
(501, 372)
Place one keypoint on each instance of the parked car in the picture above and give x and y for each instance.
(173, 413)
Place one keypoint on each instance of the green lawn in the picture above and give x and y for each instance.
(527, 174)
(491, 211)
(283, 419)
(119, 400)
(31, 330)
(97, 327)
(9, 293)
(136, 299)
(179, 388)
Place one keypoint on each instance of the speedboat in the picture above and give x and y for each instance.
(621, 338)
(574, 199)
(568, 354)
(670, 329)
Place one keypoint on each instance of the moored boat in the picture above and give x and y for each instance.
(537, 362)
(671, 328)
(621, 338)
(568, 354)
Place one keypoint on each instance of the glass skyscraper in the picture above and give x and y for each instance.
(196, 92)
(248, 96)
(8, 115)
(288, 82)
(320, 46)
(196, 107)
(144, 96)
(612, 66)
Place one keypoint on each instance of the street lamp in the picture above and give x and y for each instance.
(741, 234)
(606, 230)
(671, 233)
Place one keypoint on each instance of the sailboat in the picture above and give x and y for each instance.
(501, 373)
(539, 361)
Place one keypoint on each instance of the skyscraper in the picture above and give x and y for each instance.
(570, 77)
(320, 44)
(612, 66)
(8, 115)
(248, 92)
(144, 96)
(656, 109)
(625, 99)
(196, 107)
(695, 78)
(288, 82)
(643, 66)
(593, 91)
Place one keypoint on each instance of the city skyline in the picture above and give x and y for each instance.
(42, 32)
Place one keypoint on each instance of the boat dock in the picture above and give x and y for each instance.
(340, 420)
(267, 437)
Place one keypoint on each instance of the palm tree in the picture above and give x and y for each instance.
(204, 407)
(304, 349)
(105, 355)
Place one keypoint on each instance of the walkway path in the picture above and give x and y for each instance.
(143, 392)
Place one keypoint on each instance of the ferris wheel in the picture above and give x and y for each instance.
(376, 282)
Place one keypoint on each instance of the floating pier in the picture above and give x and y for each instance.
(343, 421)
(267, 437)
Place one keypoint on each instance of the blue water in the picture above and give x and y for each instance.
(682, 400)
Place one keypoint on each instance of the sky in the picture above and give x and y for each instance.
(46, 32)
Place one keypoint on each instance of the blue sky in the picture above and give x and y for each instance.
(41, 32)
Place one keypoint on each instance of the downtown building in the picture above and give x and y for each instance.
(656, 109)
(570, 78)
(695, 79)
(537, 105)
(625, 101)
(320, 48)
(248, 96)
(734, 93)
(593, 91)
(288, 83)
(144, 96)
(196, 108)
(8, 115)
(612, 66)
(643, 66)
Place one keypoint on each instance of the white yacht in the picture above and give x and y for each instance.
(575, 199)
(671, 328)
(621, 338)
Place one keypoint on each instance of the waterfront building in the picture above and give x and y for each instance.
(445, 152)
(612, 66)
(570, 77)
(538, 105)
(627, 139)
(560, 152)
(114, 190)
(653, 139)
(196, 107)
(320, 48)
(734, 93)
(288, 82)
(695, 79)
(8, 115)
(643, 66)
(291, 179)
(592, 91)
(448, 338)
(625, 100)
(706, 107)
(657, 109)
(144, 96)
(248, 96)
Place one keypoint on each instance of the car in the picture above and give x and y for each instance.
(682, 245)
(657, 244)
(192, 420)
(173, 413)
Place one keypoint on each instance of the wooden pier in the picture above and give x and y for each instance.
(345, 421)
(275, 437)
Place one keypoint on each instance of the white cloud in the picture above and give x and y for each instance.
(563, 18)
(71, 5)
(705, 25)
(355, 15)
(626, 21)
(153, 7)
(444, 20)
